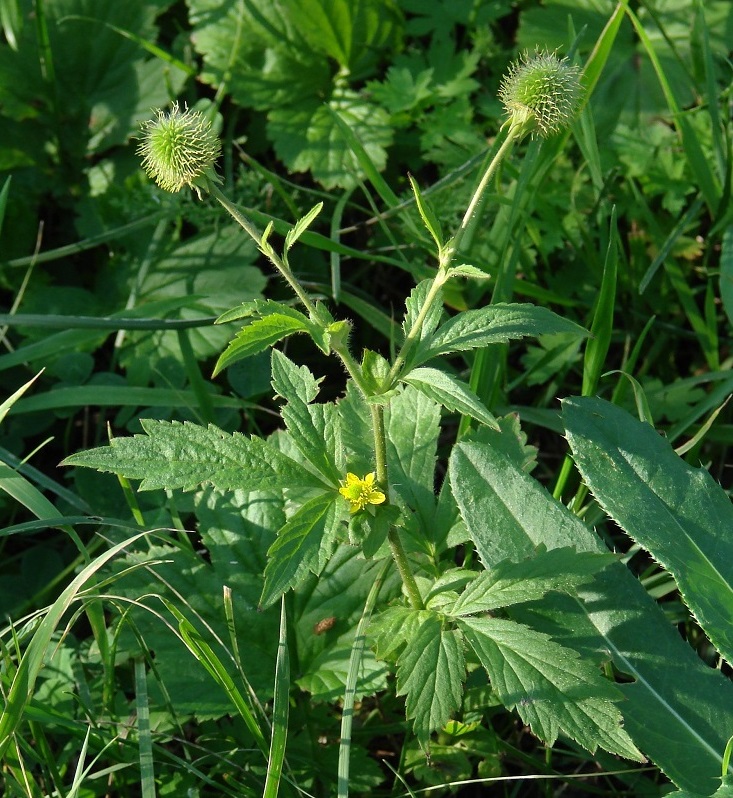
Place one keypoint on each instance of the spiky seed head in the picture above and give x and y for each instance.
(179, 148)
(541, 93)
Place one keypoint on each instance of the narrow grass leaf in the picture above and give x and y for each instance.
(726, 273)
(144, 738)
(24, 680)
(602, 327)
(206, 656)
(699, 163)
(678, 513)
(280, 710)
(355, 660)
(379, 184)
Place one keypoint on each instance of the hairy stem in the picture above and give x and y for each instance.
(274, 258)
(393, 536)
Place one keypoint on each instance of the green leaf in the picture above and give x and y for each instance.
(430, 672)
(414, 305)
(466, 270)
(303, 545)
(258, 336)
(307, 424)
(451, 393)
(301, 226)
(413, 426)
(562, 569)
(552, 689)
(351, 33)
(493, 324)
(185, 455)
(428, 215)
(726, 273)
(680, 715)
(678, 513)
(308, 136)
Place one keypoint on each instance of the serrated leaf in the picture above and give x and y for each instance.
(562, 569)
(393, 627)
(680, 715)
(678, 513)
(451, 393)
(173, 455)
(306, 423)
(430, 673)
(259, 336)
(493, 324)
(303, 545)
(413, 427)
(552, 689)
(428, 215)
(301, 226)
(414, 305)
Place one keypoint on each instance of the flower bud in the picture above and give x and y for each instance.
(180, 149)
(541, 93)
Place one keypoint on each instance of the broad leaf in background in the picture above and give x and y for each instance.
(474, 329)
(430, 672)
(281, 59)
(550, 686)
(209, 269)
(680, 715)
(678, 513)
(326, 610)
(174, 455)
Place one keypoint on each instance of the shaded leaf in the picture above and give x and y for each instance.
(430, 672)
(303, 545)
(552, 689)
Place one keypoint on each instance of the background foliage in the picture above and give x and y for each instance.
(111, 288)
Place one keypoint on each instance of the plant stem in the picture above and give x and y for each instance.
(393, 536)
(512, 135)
(274, 258)
(447, 254)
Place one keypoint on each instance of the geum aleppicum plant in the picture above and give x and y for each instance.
(344, 490)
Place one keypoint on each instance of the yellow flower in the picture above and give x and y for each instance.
(361, 492)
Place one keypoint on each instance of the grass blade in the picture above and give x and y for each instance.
(280, 710)
(21, 689)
